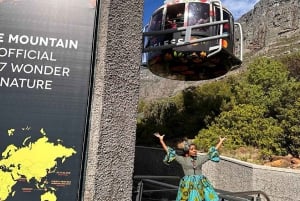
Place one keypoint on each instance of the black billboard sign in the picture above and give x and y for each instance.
(46, 49)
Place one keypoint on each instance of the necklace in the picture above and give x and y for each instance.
(194, 163)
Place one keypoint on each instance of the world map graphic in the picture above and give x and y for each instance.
(31, 163)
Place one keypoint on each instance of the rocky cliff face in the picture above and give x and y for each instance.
(271, 28)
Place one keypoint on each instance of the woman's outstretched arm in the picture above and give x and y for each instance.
(161, 140)
(221, 140)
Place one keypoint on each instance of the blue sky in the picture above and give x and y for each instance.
(236, 7)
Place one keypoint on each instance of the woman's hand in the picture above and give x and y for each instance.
(159, 136)
(222, 139)
(161, 140)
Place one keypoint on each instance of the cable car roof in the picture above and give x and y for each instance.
(169, 2)
(184, 1)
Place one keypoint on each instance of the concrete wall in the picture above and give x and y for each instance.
(111, 143)
(234, 175)
(229, 175)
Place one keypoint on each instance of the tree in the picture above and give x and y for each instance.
(289, 117)
(251, 116)
(244, 125)
(159, 116)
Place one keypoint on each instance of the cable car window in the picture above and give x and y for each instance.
(226, 27)
(198, 13)
(229, 28)
(175, 16)
(226, 16)
(156, 21)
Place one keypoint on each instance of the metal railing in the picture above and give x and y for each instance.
(233, 195)
(167, 187)
(153, 180)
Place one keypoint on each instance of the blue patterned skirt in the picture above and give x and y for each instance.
(196, 188)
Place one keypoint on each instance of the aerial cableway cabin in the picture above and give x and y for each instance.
(192, 40)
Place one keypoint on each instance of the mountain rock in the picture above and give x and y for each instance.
(271, 28)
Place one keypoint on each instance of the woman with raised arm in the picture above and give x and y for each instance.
(193, 186)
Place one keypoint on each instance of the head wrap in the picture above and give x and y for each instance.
(186, 145)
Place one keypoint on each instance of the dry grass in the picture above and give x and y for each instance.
(247, 154)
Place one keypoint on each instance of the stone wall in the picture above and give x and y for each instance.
(234, 175)
(229, 175)
(110, 150)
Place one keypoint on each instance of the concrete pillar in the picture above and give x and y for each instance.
(111, 141)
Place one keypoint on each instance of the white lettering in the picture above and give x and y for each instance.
(24, 40)
(1, 37)
(40, 70)
(19, 53)
(12, 38)
(42, 41)
(27, 54)
(3, 52)
(11, 52)
(26, 83)
(2, 66)
(169, 42)
(180, 40)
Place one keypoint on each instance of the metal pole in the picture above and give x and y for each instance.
(139, 191)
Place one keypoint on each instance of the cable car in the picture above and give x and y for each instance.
(191, 40)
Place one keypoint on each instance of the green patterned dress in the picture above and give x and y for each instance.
(194, 186)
